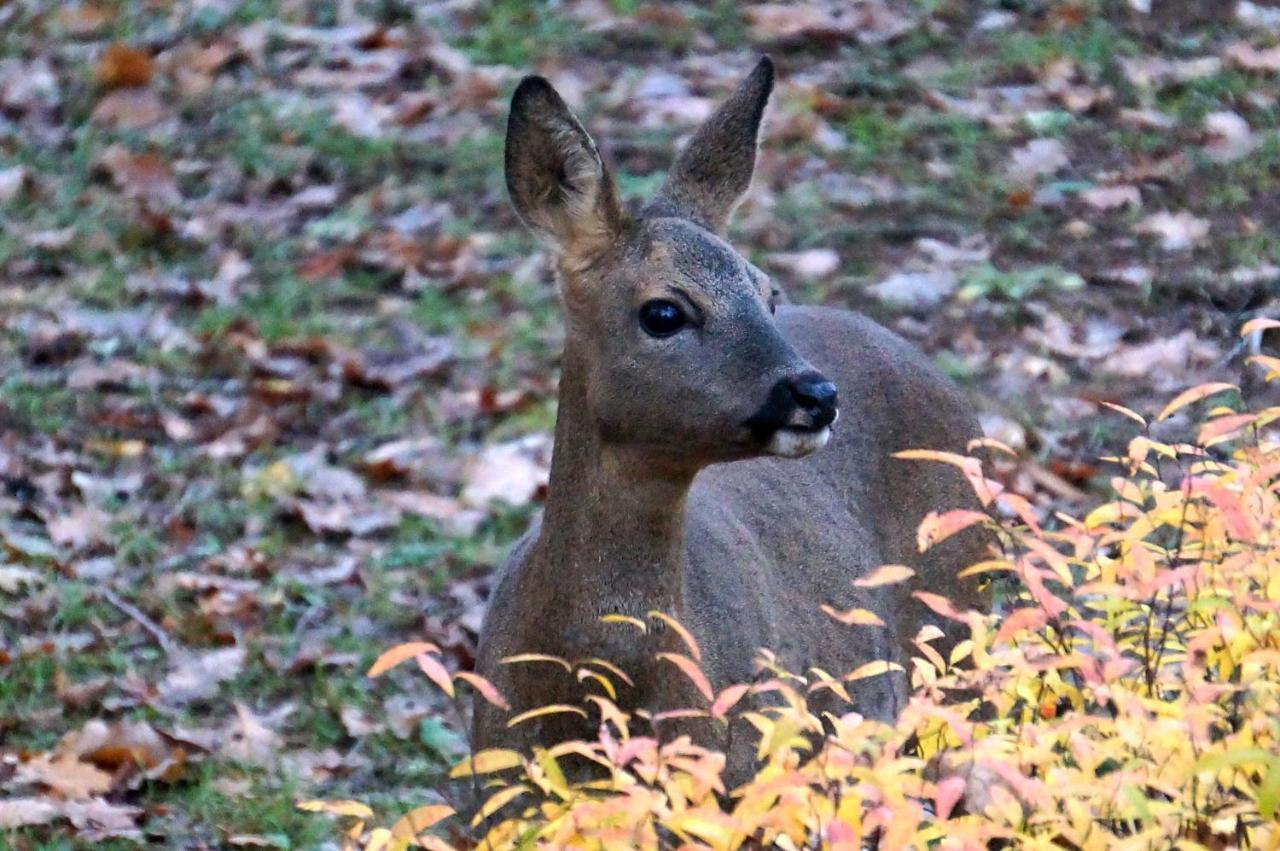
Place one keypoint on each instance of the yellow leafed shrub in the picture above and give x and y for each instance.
(1125, 694)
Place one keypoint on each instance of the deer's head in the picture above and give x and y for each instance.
(673, 330)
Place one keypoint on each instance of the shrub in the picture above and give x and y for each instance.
(1126, 694)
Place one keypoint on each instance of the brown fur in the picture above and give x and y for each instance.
(660, 498)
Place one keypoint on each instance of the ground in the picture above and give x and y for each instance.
(278, 364)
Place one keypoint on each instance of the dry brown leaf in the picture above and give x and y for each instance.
(65, 775)
(249, 739)
(123, 66)
(129, 109)
(194, 676)
(83, 527)
(85, 19)
(508, 472)
(142, 176)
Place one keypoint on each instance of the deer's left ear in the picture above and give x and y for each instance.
(714, 170)
(557, 181)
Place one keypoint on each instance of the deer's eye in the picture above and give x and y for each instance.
(661, 318)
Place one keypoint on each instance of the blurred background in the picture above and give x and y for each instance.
(278, 363)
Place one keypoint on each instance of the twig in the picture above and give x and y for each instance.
(157, 632)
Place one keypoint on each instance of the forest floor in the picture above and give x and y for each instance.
(278, 363)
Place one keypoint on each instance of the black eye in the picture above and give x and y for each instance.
(661, 318)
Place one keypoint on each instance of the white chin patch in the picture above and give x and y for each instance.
(790, 443)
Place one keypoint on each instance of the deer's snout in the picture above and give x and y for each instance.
(816, 397)
(796, 419)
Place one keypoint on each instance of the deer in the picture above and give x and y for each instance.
(720, 455)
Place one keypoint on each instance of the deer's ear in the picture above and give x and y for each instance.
(714, 170)
(558, 183)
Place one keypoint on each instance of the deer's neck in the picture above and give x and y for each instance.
(612, 537)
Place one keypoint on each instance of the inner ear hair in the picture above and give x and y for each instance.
(556, 178)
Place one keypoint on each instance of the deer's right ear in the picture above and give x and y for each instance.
(558, 183)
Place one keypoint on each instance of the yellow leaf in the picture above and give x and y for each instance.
(497, 801)
(379, 840)
(354, 809)
(1123, 411)
(400, 653)
(1195, 394)
(487, 761)
(889, 574)
(521, 658)
(550, 709)
(419, 819)
(872, 669)
(627, 619)
(854, 617)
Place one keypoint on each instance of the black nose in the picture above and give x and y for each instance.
(816, 396)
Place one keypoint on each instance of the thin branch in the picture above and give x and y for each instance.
(162, 638)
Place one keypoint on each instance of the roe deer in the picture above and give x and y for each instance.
(686, 390)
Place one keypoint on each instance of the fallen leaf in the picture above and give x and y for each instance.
(1176, 231)
(14, 578)
(25, 812)
(811, 265)
(1037, 158)
(82, 527)
(12, 181)
(122, 66)
(1249, 58)
(1228, 137)
(1105, 198)
(920, 291)
(249, 739)
(195, 676)
(142, 176)
(510, 472)
(64, 775)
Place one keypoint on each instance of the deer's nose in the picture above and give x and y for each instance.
(816, 396)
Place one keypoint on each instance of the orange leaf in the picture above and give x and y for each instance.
(1195, 394)
(437, 672)
(888, 574)
(727, 699)
(1021, 619)
(936, 528)
(691, 670)
(484, 688)
(1262, 323)
(939, 604)
(400, 653)
(679, 629)
(1223, 428)
(419, 819)
(122, 66)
